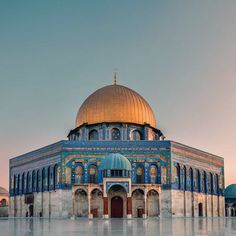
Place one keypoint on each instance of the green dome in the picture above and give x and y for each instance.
(115, 161)
(230, 191)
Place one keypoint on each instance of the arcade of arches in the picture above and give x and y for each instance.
(90, 202)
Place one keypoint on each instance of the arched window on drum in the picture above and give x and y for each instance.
(153, 174)
(79, 175)
(93, 135)
(93, 174)
(115, 134)
(140, 175)
(136, 135)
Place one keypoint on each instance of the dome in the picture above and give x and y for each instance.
(115, 161)
(230, 191)
(115, 103)
(3, 191)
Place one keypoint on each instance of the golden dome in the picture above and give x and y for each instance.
(115, 103)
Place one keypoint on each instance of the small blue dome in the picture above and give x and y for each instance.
(230, 191)
(115, 161)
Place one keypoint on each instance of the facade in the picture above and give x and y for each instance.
(116, 163)
(3, 202)
(230, 200)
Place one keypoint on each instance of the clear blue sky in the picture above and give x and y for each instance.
(180, 55)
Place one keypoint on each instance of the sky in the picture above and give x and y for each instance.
(179, 55)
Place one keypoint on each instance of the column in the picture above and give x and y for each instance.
(129, 207)
(105, 208)
(145, 206)
(90, 216)
(73, 205)
(229, 211)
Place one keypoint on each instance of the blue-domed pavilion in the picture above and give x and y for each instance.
(230, 200)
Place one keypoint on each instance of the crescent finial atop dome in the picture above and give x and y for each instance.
(115, 77)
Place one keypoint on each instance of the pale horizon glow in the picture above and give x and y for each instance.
(180, 56)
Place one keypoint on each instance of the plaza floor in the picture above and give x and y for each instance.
(137, 227)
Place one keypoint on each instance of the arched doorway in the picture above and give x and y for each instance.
(96, 203)
(200, 212)
(153, 208)
(31, 210)
(138, 203)
(81, 203)
(116, 207)
(117, 196)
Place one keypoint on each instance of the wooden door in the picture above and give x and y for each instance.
(31, 210)
(200, 212)
(140, 212)
(94, 212)
(116, 207)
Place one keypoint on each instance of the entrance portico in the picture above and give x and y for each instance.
(117, 201)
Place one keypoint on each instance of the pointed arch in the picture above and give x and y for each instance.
(198, 181)
(185, 178)
(79, 174)
(136, 135)
(153, 205)
(93, 174)
(138, 203)
(140, 174)
(191, 178)
(93, 135)
(33, 184)
(38, 181)
(153, 172)
(28, 182)
(115, 134)
(178, 176)
(211, 183)
(81, 203)
(44, 180)
(217, 183)
(205, 181)
(23, 183)
(56, 176)
(96, 203)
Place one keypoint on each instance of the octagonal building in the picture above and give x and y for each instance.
(116, 163)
